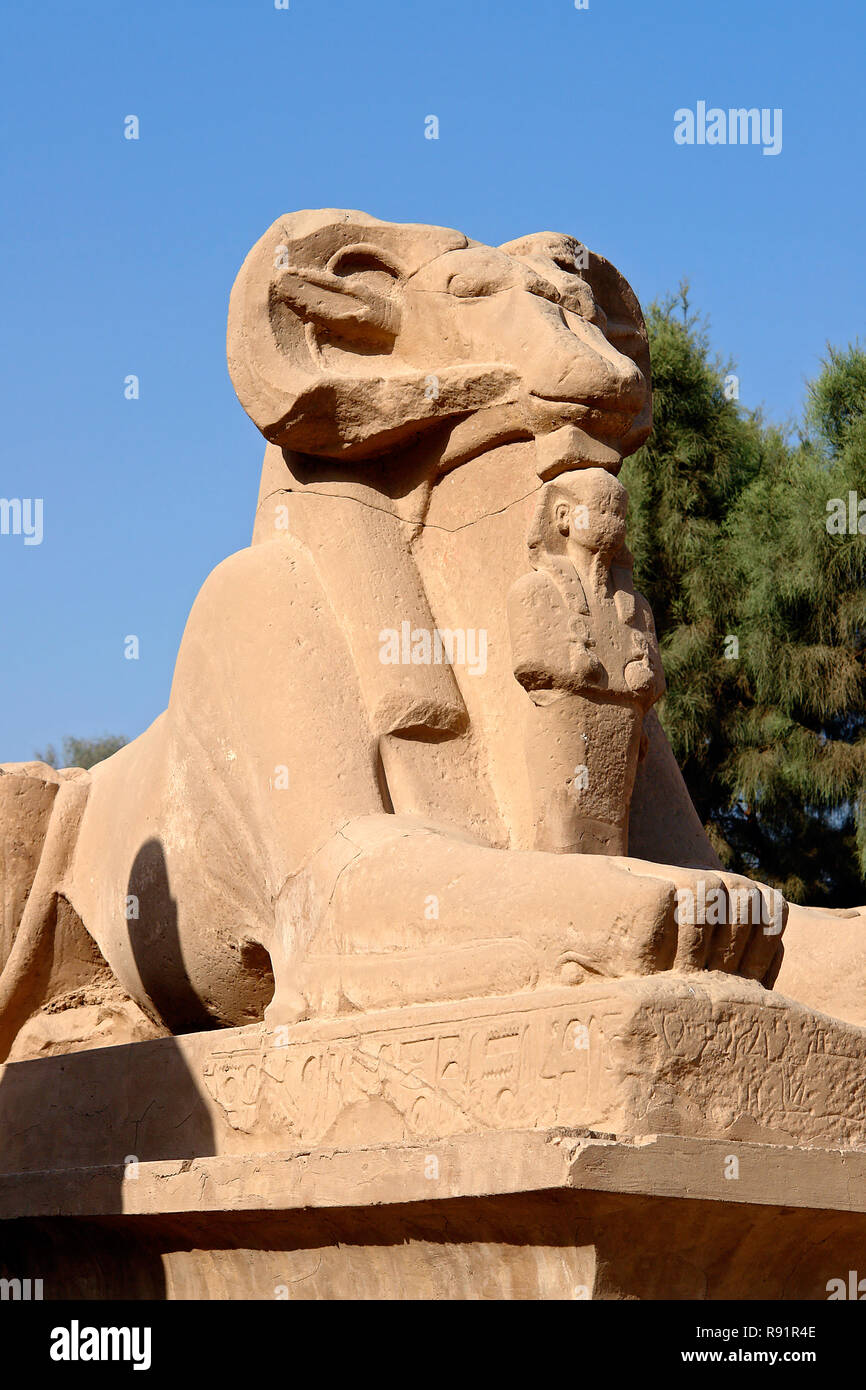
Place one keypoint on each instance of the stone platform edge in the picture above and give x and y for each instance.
(463, 1166)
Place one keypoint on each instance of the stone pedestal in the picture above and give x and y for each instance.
(668, 1137)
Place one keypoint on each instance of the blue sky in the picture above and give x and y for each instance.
(118, 256)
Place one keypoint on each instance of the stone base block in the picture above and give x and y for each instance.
(672, 1137)
(521, 1215)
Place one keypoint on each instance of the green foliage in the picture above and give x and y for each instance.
(82, 752)
(761, 612)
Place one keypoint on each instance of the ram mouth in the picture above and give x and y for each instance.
(611, 421)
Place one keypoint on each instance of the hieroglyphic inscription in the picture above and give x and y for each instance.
(786, 1067)
(630, 1058)
(519, 1069)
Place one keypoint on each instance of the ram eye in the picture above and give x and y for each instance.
(366, 261)
(580, 300)
(543, 289)
(468, 286)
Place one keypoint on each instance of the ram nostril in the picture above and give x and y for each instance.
(256, 964)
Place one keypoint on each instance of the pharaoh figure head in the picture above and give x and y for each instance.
(581, 511)
(349, 337)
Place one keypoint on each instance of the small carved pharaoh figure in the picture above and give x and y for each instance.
(585, 650)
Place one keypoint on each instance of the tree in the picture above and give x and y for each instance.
(798, 759)
(760, 611)
(82, 752)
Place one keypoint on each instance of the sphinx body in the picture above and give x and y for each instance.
(311, 829)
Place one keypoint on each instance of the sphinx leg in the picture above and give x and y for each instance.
(402, 912)
(28, 962)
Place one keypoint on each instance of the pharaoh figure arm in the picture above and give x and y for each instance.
(549, 652)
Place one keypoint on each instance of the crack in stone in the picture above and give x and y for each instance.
(416, 524)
